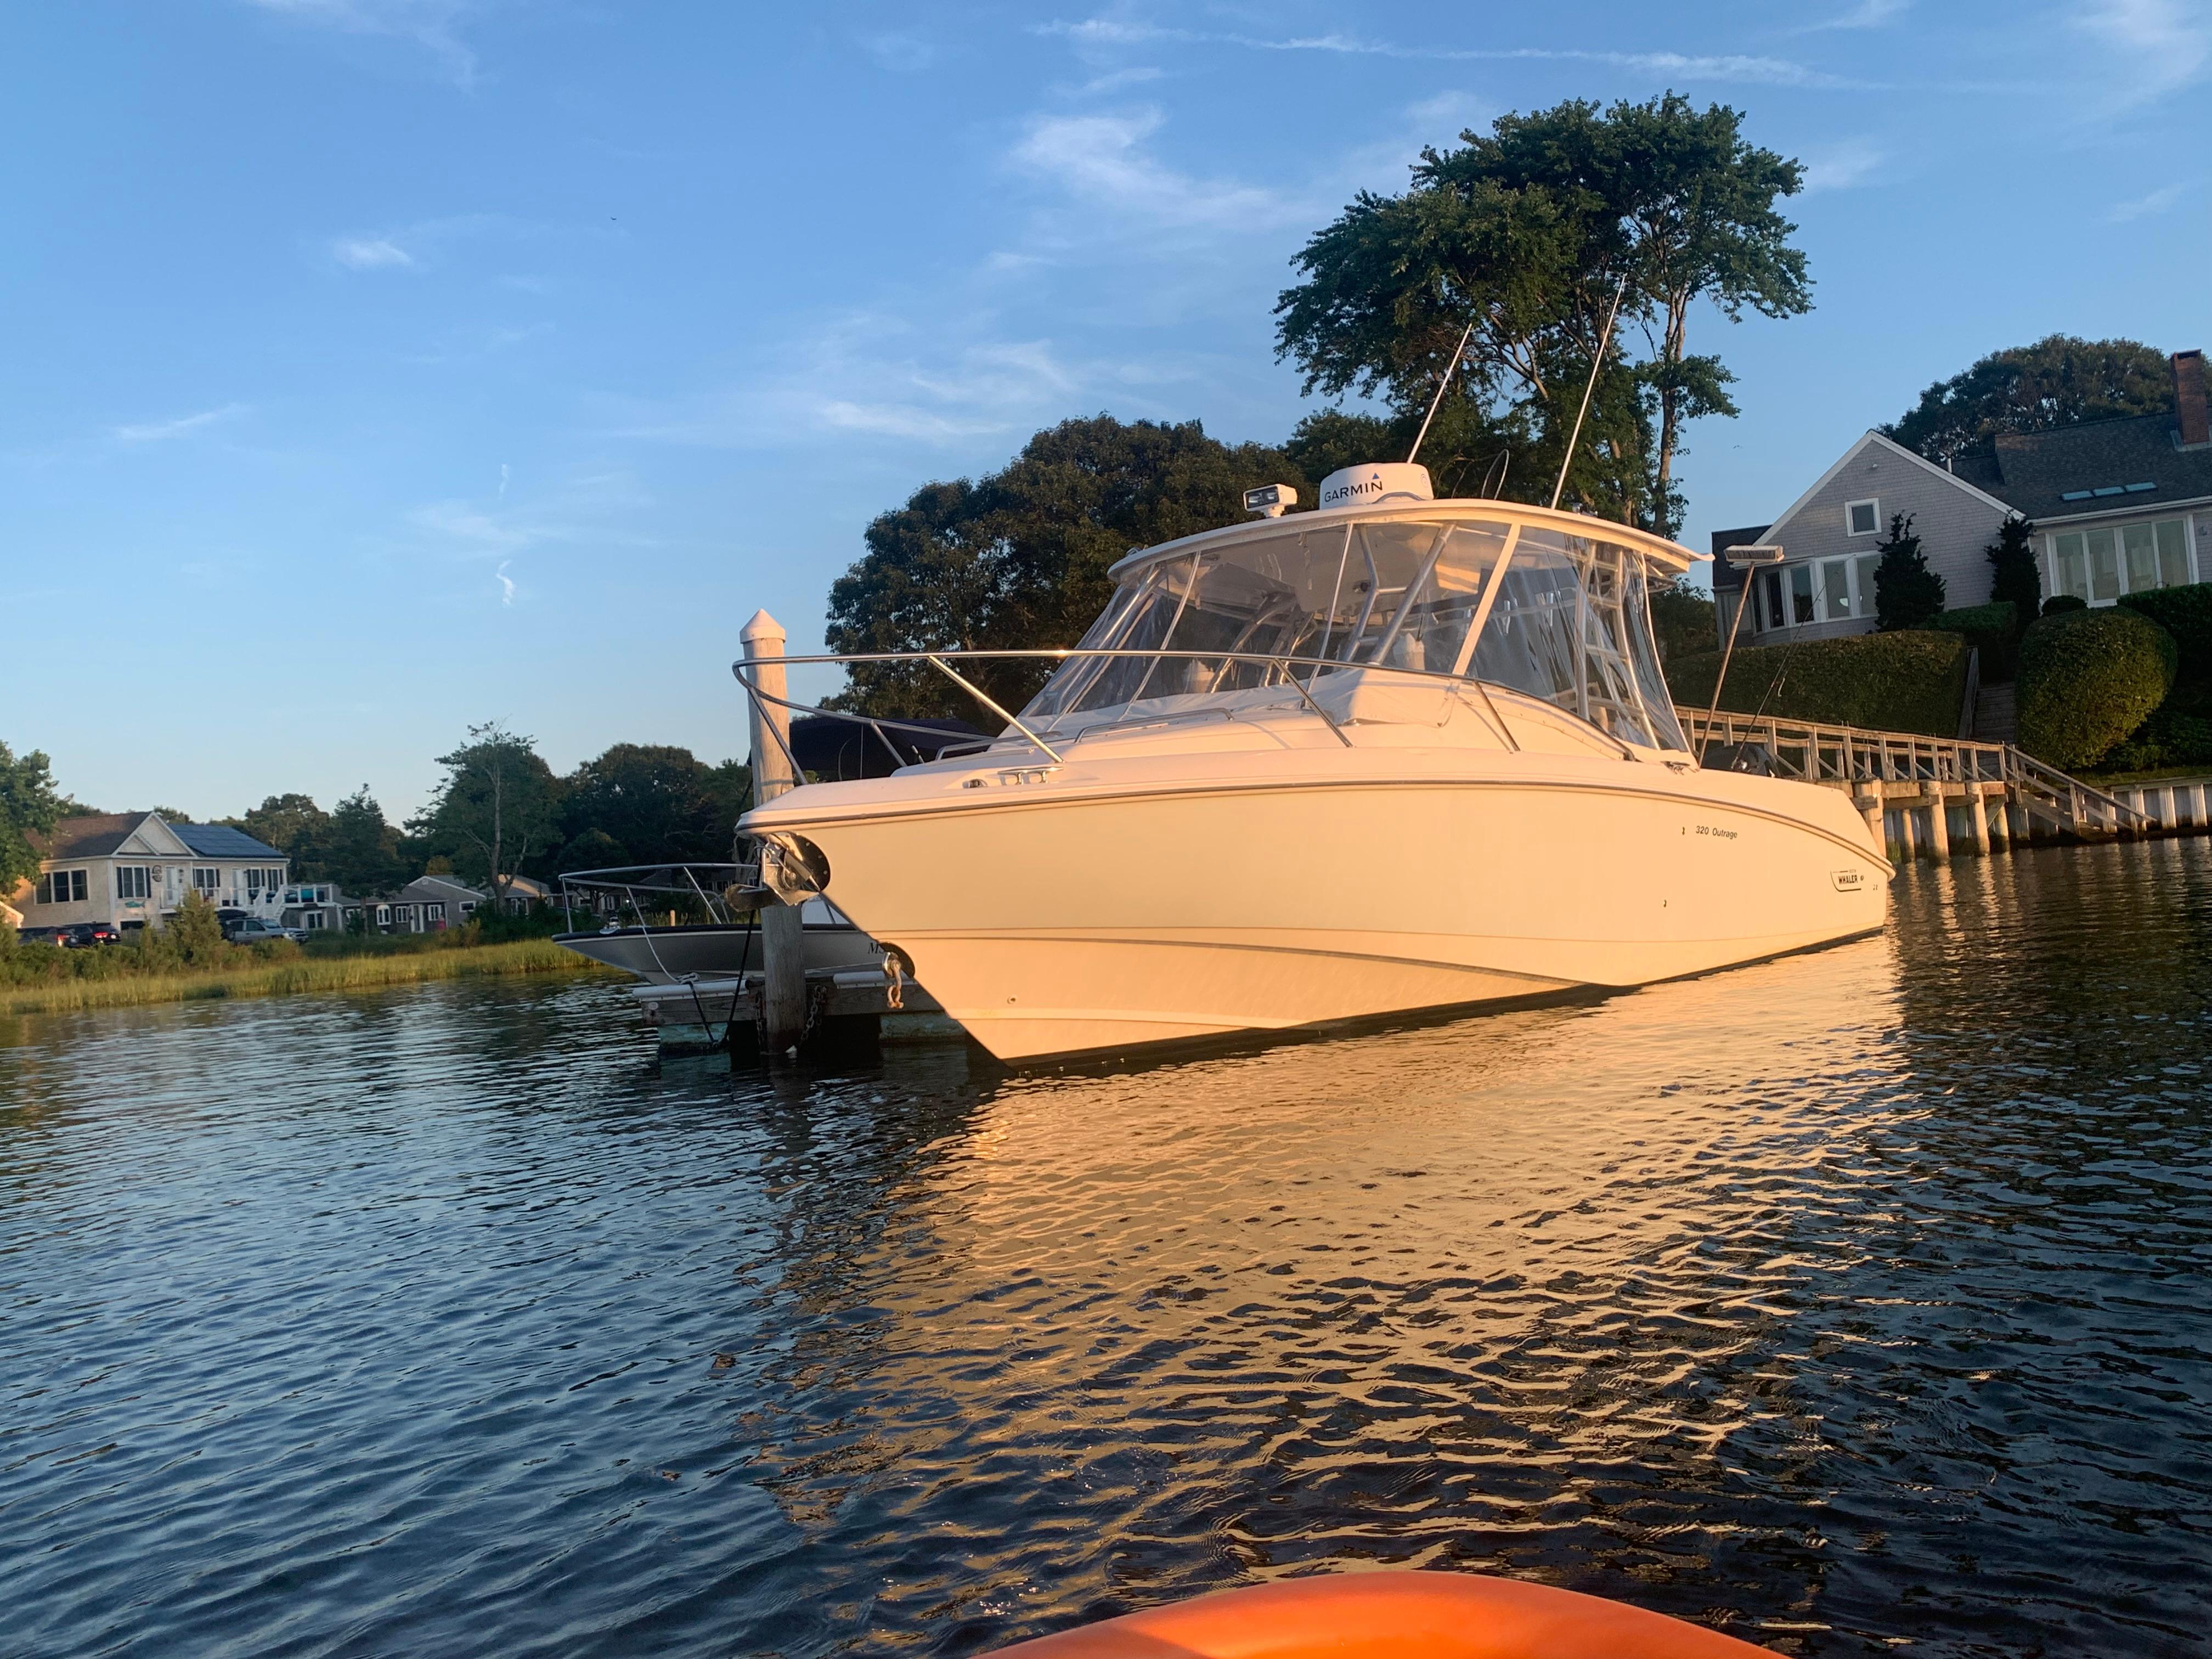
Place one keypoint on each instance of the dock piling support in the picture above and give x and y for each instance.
(783, 942)
(1939, 825)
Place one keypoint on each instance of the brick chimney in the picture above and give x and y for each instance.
(2188, 398)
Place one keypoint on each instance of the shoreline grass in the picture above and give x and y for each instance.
(301, 975)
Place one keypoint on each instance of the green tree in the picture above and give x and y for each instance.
(1528, 231)
(1017, 560)
(29, 807)
(499, 804)
(2060, 381)
(1682, 620)
(1906, 593)
(2015, 574)
(360, 851)
(648, 803)
(296, 827)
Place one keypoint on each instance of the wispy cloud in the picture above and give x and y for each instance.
(370, 253)
(1844, 166)
(505, 582)
(430, 24)
(1680, 66)
(1103, 160)
(1866, 15)
(2143, 206)
(155, 431)
(2165, 45)
(900, 52)
(870, 372)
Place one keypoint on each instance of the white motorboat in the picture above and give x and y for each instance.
(1393, 756)
(723, 950)
(725, 944)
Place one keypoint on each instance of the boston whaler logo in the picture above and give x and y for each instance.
(1848, 881)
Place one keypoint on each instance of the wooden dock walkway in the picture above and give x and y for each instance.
(1936, 795)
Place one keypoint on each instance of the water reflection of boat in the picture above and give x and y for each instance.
(1401, 755)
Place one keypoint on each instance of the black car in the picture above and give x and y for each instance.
(78, 935)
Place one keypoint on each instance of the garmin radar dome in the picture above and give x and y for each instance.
(1375, 484)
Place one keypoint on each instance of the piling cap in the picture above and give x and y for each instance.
(761, 628)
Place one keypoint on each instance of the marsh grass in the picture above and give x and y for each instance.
(298, 972)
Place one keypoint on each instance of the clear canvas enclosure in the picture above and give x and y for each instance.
(1561, 616)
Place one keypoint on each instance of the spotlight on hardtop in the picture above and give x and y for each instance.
(1270, 501)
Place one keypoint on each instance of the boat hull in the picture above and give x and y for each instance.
(1086, 914)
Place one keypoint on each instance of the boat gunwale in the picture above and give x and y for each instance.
(1106, 792)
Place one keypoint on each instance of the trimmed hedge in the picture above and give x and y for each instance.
(2087, 678)
(2186, 614)
(1913, 680)
(1993, 629)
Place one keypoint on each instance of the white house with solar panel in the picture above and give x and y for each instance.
(129, 870)
(2118, 506)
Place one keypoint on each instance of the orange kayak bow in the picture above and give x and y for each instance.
(1391, 1615)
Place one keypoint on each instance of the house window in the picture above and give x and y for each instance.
(467, 905)
(402, 915)
(2100, 565)
(206, 881)
(315, 921)
(132, 882)
(384, 915)
(1862, 518)
(63, 887)
(1836, 589)
(434, 913)
(1864, 568)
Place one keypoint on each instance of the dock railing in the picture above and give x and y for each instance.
(1902, 764)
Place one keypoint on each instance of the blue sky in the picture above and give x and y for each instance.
(379, 366)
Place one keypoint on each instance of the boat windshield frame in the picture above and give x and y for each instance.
(1552, 605)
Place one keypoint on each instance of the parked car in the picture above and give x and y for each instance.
(253, 929)
(77, 935)
(39, 935)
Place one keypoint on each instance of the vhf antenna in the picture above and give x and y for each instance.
(1597, 363)
(1436, 401)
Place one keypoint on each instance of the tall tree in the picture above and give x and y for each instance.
(360, 851)
(1527, 232)
(296, 827)
(1906, 593)
(2015, 572)
(650, 802)
(1017, 560)
(28, 806)
(499, 804)
(2060, 381)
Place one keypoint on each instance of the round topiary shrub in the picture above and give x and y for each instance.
(2059, 604)
(2087, 679)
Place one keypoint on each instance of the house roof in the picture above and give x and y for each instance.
(219, 841)
(89, 837)
(1724, 574)
(2096, 468)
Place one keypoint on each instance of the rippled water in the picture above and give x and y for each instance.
(1852, 1300)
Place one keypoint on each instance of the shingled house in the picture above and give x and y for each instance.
(130, 869)
(2118, 506)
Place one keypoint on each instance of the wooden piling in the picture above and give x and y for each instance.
(783, 942)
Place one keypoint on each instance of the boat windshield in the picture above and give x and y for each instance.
(1569, 621)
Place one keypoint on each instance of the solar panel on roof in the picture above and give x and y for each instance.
(219, 841)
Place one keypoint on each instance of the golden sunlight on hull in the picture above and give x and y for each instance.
(1116, 916)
